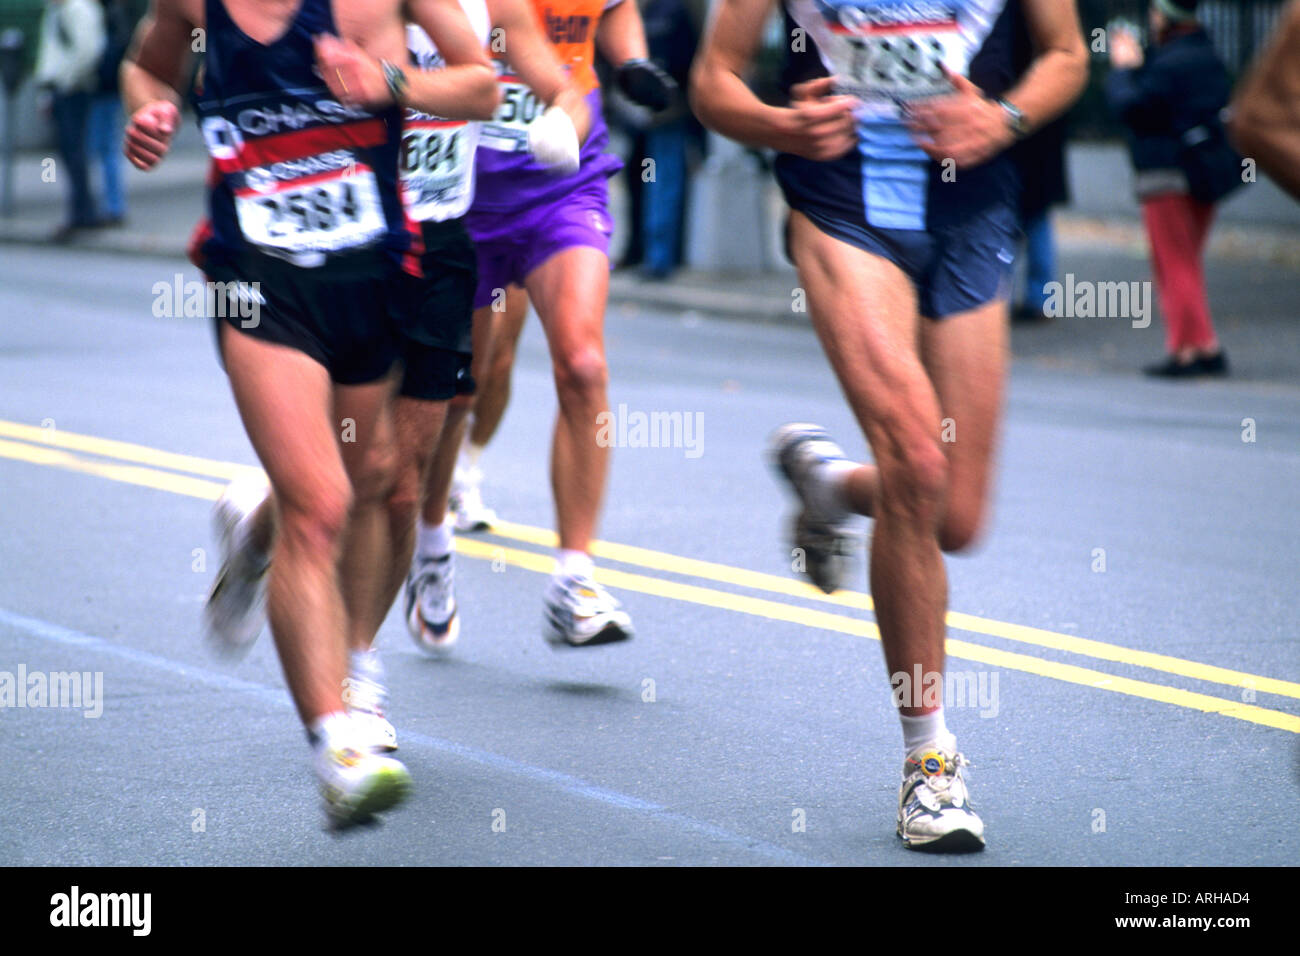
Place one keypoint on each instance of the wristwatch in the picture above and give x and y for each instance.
(396, 80)
(1015, 118)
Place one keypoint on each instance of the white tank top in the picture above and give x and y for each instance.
(436, 162)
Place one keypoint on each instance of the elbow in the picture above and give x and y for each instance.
(697, 95)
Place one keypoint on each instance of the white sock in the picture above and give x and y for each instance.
(573, 564)
(434, 541)
(827, 490)
(926, 729)
(331, 728)
(472, 452)
(367, 664)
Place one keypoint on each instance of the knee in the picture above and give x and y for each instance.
(403, 501)
(314, 523)
(374, 479)
(914, 481)
(580, 372)
(961, 527)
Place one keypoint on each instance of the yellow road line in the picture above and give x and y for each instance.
(125, 451)
(824, 620)
(658, 560)
(760, 581)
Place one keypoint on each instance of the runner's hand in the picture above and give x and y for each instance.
(553, 141)
(819, 125)
(149, 133)
(352, 74)
(964, 125)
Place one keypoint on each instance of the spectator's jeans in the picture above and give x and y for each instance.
(1040, 259)
(1177, 227)
(104, 143)
(71, 111)
(663, 198)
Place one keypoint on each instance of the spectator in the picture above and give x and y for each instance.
(71, 41)
(104, 135)
(1179, 85)
(657, 190)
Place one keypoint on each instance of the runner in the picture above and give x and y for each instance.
(549, 234)
(432, 315)
(1265, 113)
(305, 221)
(902, 229)
(487, 409)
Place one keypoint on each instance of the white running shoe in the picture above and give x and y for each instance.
(466, 501)
(431, 613)
(235, 611)
(357, 783)
(581, 613)
(825, 540)
(934, 808)
(365, 695)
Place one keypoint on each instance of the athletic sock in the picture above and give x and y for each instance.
(366, 664)
(926, 729)
(827, 491)
(472, 453)
(434, 541)
(573, 564)
(330, 728)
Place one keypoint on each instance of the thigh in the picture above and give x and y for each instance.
(569, 291)
(864, 309)
(285, 398)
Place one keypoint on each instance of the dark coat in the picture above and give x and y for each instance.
(1181, 84)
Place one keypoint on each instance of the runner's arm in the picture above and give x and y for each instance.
(533, 60)
(467, 87)
(816, 125)
(1059, 72)
(1265, 120)
(620, 35)
(152, 76)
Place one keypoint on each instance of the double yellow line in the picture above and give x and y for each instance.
(190, 475)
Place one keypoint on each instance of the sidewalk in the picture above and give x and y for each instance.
(1253, 273)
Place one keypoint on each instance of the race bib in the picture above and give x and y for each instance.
(435, 166)
(897, 52)
(519, 108)
(315, 214)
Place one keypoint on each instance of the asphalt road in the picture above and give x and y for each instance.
(1147, 713)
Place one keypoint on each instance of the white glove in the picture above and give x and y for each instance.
(553, 141)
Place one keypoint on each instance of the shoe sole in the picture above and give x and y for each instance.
(776, 445)
(387, 789)
(958, 841)
(426, 637)
(217, 639)
(610, 634)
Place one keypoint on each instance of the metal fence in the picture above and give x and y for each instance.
(1239, 28)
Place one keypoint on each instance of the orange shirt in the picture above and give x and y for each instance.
(570, 26)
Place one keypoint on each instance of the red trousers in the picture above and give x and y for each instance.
(1177, 227)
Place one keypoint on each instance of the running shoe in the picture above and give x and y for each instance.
(824, 539)
(431, 612)
(581, 613)
(365, 695)
(357, 783)
(466, 501)
(235, 610)
(934, 808)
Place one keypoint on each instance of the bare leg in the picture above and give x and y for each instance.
(865, 313)
(569, 292)
(493, 393)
